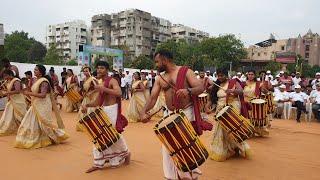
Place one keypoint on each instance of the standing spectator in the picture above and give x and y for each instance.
(286, 80)
(269, 76)
(296, 80)
(128, 84)
(315, 100)
(123, 86)
(299, 100)
(149, 77)
(64, 75)
(197, 74)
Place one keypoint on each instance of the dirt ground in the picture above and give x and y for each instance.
(291, 152)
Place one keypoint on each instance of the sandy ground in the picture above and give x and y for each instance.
(291, 152)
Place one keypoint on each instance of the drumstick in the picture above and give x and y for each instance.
(219, 86)
(162, 108)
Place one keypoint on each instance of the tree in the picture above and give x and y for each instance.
(17, 45)
(143, 62)
(273, 66)
(72, 62)
(37, 52)
(53, 56)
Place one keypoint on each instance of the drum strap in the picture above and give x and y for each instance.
(199, 125)
(122, 121)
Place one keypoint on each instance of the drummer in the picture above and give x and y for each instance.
(251, 90)
(181, 88)
(207, 84)
(110, 101)
(89, 93)
(71, 82)
(227, 92)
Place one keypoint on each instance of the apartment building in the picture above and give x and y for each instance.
(101, 30)
(67, 37)
(161, 31)
(139, 31)
(189, 34)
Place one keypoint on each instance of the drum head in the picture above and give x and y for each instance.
(222, 111)
(203, 95)
(168, 120)
(258, 101)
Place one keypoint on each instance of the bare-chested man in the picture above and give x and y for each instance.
(167, 83)
(6, 65)
(110, 91)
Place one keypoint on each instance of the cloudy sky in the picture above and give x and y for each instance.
(251, 20)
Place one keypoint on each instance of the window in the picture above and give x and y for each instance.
(282, 48)
(307, 47)
(307, 55)
(258, 54)
(265, 53)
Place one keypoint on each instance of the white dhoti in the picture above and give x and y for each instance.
(115, 154)
(169, 168)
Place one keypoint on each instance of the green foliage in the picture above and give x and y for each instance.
(143, 62)
(37, 52)
(273, 66)
(72, 62)
(215, 51)
(53, 56)
(20, 48)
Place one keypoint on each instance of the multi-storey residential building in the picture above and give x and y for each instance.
(132, 28)
(101, 30)
(67, 37)
(191, 35)
(138, 31)
(161, 31)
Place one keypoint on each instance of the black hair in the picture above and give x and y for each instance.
(42, 70)
(70, 71)
(103, 63)
(28, 73)
(87, 67)
(262, 72)
(164, 53)
(8, 72)
(5, 62)
(94, 74)
(138, 75)
(51, 70)
(223, 71)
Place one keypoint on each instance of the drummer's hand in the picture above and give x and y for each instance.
(229, 91)
(144, 117)
(182, 93)
(84, 109)
(99, 87)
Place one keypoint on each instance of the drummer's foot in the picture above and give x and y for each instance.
(127, 160)
(93, 168)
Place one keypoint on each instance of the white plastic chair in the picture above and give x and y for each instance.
(307, 117)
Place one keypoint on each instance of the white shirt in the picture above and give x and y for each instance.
(296, 81)
(315, 94)
(274, 82)
(123, 82)
(314, 82)
(281, 96)
(128, 78)
(301, 96)
(269, 77)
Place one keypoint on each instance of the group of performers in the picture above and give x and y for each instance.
(176, 91)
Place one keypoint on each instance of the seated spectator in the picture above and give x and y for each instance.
(299, 100)
(280, 98)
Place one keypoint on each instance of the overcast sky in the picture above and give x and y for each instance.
(251, 20)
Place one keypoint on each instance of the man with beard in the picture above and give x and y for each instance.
(181, 89)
